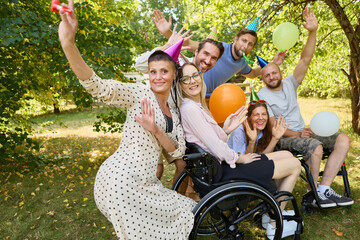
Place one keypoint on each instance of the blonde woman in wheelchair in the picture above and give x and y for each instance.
(200, 128)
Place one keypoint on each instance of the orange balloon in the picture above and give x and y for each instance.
(225, 100)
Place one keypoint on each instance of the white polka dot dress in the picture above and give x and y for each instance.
(126, 188)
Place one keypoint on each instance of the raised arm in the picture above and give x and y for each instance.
(164, 28)
(311, 24)
(67, 31)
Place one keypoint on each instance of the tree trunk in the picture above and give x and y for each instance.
(56, 108)
(353, 36)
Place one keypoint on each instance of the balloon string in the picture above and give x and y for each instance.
(247, 59)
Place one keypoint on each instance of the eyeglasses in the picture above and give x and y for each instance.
(187, 79)
(256, 102)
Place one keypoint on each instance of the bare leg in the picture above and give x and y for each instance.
(286, 171)
(314, 162)
(180, 165)
(336, 159)
(160, 170)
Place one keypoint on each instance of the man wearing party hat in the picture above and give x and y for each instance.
(206, 54)
(281, 98)
(233, 60)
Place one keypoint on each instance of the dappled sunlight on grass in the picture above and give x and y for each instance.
(55, 200)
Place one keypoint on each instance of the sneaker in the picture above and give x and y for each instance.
(266, 219)
(337, 198)
(289, 229)
(324, 202)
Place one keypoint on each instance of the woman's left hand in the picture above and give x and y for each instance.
(235, 120)
(279, 127)
(148, 117)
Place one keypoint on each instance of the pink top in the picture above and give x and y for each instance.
(200, 128)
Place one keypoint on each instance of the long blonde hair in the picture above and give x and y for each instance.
(202, 92)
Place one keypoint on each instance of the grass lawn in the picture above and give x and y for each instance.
(55, 201)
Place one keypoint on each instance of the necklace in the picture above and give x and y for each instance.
(166, 121)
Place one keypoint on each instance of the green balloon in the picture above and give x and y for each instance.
(285, 36)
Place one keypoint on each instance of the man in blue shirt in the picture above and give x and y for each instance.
(232, 62)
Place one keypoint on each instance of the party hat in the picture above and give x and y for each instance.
(253, 96)
(250, 62)
(213, 34)
(254, 25)
(174, 50)
(261, 61)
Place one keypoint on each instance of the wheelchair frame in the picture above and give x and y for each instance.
(228, 210)
(307, 206)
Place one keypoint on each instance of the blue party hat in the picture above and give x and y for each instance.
(261, 61)
(254, 25)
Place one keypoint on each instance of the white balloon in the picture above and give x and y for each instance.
(325, 123)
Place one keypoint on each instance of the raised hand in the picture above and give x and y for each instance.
(160, 22)
(177, 36)
(68, 25)
(279, 127)
(279, 57)
(311, 23)
(148, 117)
(235, 120)
(250, 133)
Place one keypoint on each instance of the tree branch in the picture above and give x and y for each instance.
(321, 40)
(345, 73)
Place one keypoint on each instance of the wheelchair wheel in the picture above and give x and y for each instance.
(228, 212)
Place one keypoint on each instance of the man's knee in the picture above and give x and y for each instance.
(343, 142)
(318, 151)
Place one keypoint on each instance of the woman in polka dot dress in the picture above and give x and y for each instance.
(126, 189)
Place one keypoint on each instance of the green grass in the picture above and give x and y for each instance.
(56, 201)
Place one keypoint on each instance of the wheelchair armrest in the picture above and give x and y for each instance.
(194, 156)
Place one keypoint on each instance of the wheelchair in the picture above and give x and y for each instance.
(233, 209)
(307, 199)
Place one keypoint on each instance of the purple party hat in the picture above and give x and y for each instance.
(174, 50)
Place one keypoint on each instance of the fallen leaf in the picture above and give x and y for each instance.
(338, 233)
(51, 213)
(33, 227)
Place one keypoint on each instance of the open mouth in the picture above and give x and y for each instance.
(204, 65)
(193, 87)
(260, 124)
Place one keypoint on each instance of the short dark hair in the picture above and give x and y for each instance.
(247, 31)
(162, 56)
(213, 42)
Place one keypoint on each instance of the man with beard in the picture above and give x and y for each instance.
(280, 96)
(232, 62)
(206, 55)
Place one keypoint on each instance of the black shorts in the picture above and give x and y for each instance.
(259, 172)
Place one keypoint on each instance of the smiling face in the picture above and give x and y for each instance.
(244, 43)
(206, 58)
(161, 76)
(259, 117)
(271, 76)
(193, 89)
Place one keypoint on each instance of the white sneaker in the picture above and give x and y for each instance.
(266, 219)
(289, 229)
